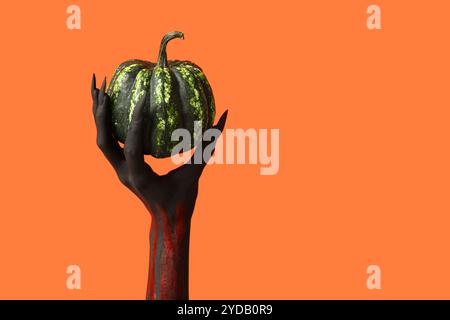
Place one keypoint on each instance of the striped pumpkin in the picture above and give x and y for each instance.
(177, 95)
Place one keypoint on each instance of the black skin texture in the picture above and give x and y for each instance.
(169, 198)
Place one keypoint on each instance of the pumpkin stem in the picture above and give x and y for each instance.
(162, 56)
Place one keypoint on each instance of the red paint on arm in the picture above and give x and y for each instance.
(168, 274)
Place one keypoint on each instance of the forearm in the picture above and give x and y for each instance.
(169, 255)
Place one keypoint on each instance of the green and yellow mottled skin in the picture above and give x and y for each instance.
(177, 95)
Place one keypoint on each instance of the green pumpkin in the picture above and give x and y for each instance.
(177, 95)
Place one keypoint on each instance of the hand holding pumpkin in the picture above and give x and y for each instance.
(170, 198)
(129, 163)
(144, 104)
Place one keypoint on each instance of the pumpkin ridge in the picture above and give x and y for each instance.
(183, 94)
(212, 104)
(193, 97)
(120, 97)
(139, 67)
(203, 98)
(172, 110)
(138, 89)
(201, 78)
(160, 101)
(172, 115)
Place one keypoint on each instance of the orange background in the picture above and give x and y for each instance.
(364, 158)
